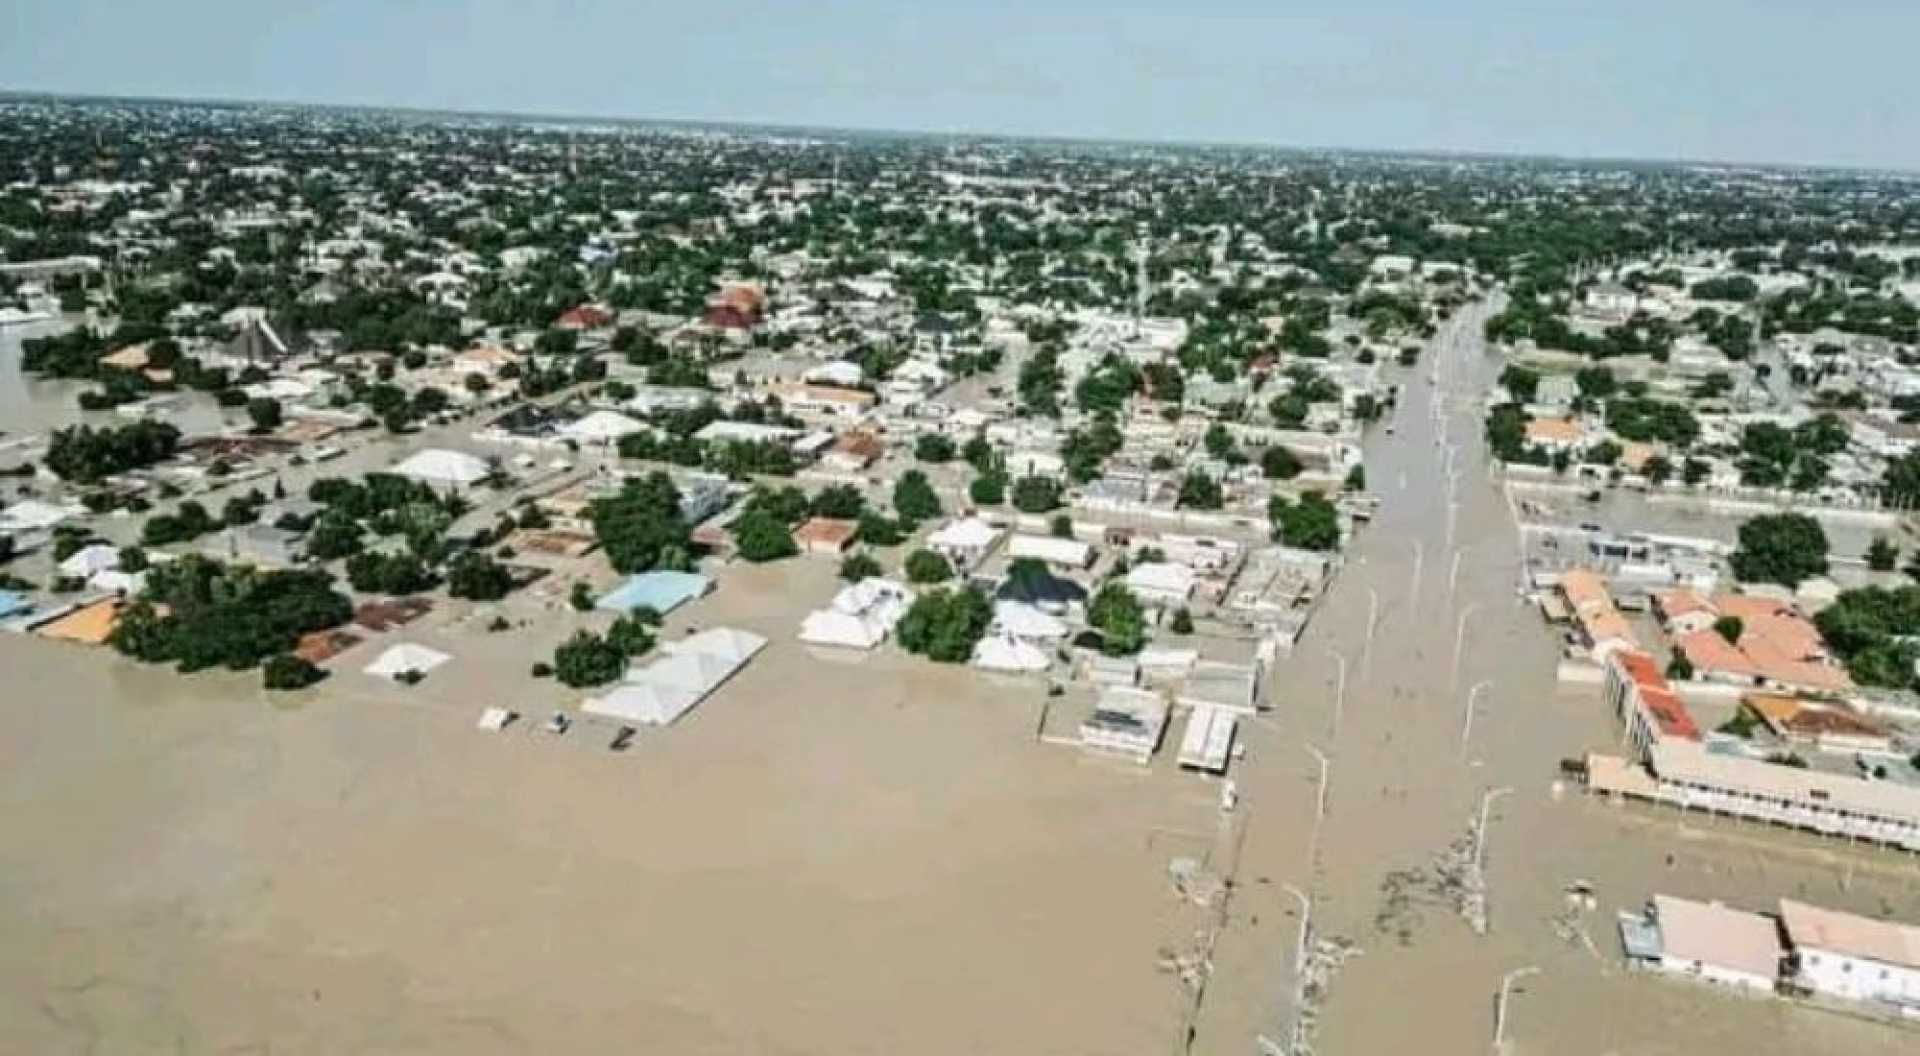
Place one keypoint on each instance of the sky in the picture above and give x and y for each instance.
(1792, 81)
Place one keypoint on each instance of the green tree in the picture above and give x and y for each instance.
(1119, 618)
(858, 566)
(1182, 622)
(1782, 548)
(1310, 524)
(631, 635)
(944, 625)
(477, 577)
(760, 536)
(842, 501)
(285, 671)
(926, 566)
(265, 413)
(1278, 463)
(914, 497)
(1730, 628)
(988, 489)
(878, 530)
(586, 659)
(933, 447)
(641, 522)
(1882, 555)
(1199, 491)
(1036, 494)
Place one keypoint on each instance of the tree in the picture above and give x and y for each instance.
(1310, 524)
(1036, 494)
(760, 536)
(1061, 527)
(285, 671)
(858, 566)
(1199, 491)
(944, 625)
(1521, 384)
(1182, 621)
(1882, 555)
(1357, 478)
(1679, 669)
(586, 659)
(85, 455)
(988, 489)
(1279, 463)
(334, 535)
(926, 566)
(841, 501)
(877, 530)
(630, 635)
(580, 597)
(639, 524)
(914, 498)
(1658, 469)
(1730, 628)
(933, 447)
(475, 576)
(265, 413)
(1119, 618)
(1782, 548)
(374, 572)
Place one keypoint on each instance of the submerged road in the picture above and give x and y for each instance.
(1425, 693)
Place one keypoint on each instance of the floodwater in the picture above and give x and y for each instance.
(1406, 780)
(30, 405)
(868, 857)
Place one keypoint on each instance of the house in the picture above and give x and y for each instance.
(485, 360)
(860, 616)
(826, 401)
(852, 452)
(584, 317)
(686, 673)
(1555, 434)
(259, 342)
(1851, 957)
(1777, 647)
(1161, 583)
(1059, 553)
(601, 428)
(1208, 742)
(443, 468)
(1823, 726)
(1644, 703)
(825, 536)
(1717, 944)
(739, 306)
(1127, 722)
(998, 652)
(964, 541)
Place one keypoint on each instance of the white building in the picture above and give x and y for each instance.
(965, 541)
(1209, 739)
(1128, 722)
(1161, 583)
(1853, 958)
(443, 468)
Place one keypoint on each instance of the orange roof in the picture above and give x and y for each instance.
(1607, 626)
(1641, 669)
(1585, 591)
(1554, 431)
(833, 394)
(88, 624)
(1682, 602)
(1634, 454)
(1810, 718)
(1669, 714)
(829, 530)
(861, 444)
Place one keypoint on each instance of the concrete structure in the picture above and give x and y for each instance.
(1853, 958)
(1715, 944)
(1208, 741)
(1127, 722)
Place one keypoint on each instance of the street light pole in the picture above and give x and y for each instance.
(1480, 830)
(1419, 562)
(1500, 1006)
(1473, 697)
(1460, 639)
(1300, 953)
(1340, 692)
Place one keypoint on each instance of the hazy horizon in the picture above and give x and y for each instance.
(1772, 85)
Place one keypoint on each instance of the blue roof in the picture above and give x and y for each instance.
(12, 602)
(660, 591)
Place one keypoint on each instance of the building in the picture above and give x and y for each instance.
(1161, 583)
(860, 616)
(1778, 648)
(1208, 742)
(852, 452)
(1853, 958)
(1127, 722)
(584, 317)
(442, 468)
(685, 674)
(1059, 553)
(1717, 944)
(1645, 705)
(826, 401)
(964, 542)
(738, 306)
(825, 536)
(1555, 434)
(1601, 628)
(1690, 775)
(1822, 726)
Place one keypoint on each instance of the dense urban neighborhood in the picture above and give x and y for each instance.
(1037, 597)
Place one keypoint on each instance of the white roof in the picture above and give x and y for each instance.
(84, 562)
(1161, 577)
(602, 426)
(440, 466)
(838, 372)
(115, 581)
(1717, 935)
(494, 719)
(832, 627)
(1000, 653)
(406, 656)
(966, 533)
(669, 687)
(727, 430)
(1051, 549)
(1209, 737)
(1017, 619)
(31, 514)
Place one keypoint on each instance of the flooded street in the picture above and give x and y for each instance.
(1406, 780)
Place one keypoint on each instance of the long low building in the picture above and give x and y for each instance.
(1689, 775)
(691, 669)
(1208, 742)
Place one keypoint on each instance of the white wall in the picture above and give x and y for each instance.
(1857, 980)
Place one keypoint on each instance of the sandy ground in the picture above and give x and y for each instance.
(825, 857)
